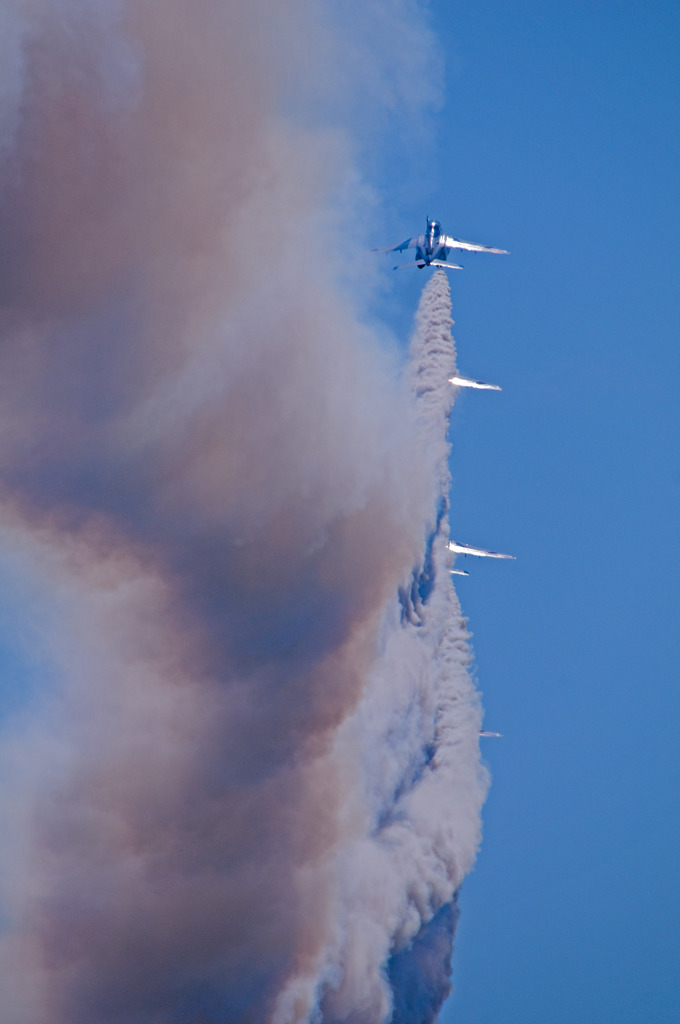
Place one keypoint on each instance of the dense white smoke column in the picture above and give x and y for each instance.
(445, 802)
(250, 775)
(409, 761)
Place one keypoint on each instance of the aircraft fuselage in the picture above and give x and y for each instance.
(429, 247)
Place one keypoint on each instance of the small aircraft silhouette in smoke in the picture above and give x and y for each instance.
(466, 382)
(459, 572)
(465, 549)
(487, 732)
(432, 248)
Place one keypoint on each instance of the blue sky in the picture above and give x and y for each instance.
(559, 140)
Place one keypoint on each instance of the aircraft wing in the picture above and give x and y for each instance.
(410, 243)
(465, 549)
(466, 382)
(457, 243)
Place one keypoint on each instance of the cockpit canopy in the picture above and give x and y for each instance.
(435, 228)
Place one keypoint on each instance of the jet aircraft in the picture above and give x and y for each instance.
(465, 549)
(459, 572)
(487, 732)
(432, 248)
(466, 382)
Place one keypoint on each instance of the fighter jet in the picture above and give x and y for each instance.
(459, 572)
(432, 248)
(465, 549)
(466, 382)
(486, 732)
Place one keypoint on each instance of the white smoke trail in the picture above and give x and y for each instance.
(409, 756)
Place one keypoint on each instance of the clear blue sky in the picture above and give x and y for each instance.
(559, 140)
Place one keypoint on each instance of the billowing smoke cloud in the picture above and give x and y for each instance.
(248, 787)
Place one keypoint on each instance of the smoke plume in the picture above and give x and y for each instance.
(243, 781)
